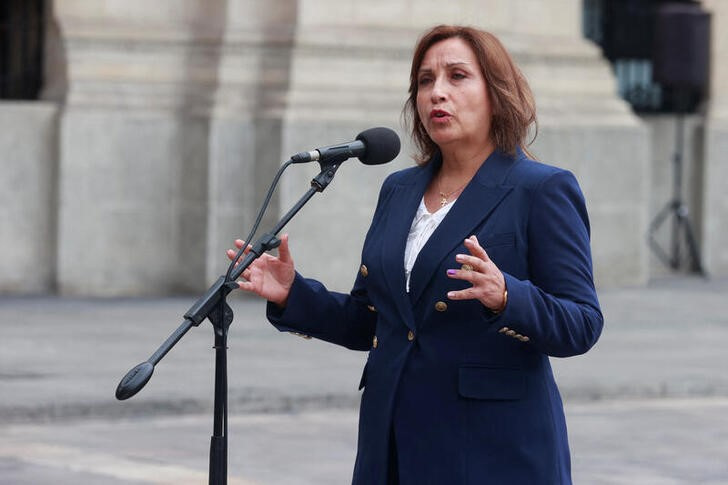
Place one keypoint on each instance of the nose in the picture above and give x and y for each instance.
(439, 91)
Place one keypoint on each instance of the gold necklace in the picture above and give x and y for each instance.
(444, 197)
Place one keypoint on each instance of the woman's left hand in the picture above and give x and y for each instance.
(489, 285)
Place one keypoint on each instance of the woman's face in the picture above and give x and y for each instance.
(452, 99)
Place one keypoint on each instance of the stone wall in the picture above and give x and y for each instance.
(168, 123)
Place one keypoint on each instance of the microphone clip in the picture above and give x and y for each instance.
(328, 170)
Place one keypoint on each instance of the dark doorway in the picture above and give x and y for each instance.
(22, 25)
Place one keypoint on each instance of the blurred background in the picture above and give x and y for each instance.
(138, 139)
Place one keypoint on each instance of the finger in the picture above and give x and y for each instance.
(231, 254)
(476, 263)
(247, 286)
(475, 248)
(246, 274)
(284, 254)
(252, 278)
(459, 274)
(466, 294)
(239, 244)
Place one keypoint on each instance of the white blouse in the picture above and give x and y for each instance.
(423, 225)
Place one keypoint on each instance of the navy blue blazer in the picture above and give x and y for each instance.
(465, 403)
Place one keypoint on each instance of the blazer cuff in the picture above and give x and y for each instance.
(280, 317)
(515, 291)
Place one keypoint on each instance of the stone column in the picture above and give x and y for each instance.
(245, 137)
(28, 137)
(28, 181)
(350, 70)
(160, 138)
(715, 200)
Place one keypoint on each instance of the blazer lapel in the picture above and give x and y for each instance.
(402, 208)
(473, 206)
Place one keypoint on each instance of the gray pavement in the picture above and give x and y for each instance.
(614, 442)
(646, 405)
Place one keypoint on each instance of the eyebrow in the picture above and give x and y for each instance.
(449, 64)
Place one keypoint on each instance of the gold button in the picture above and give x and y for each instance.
(364, 270)
(371, 308)
(440, 306)
(410, 335)
(375, 342)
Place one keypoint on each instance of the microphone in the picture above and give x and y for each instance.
(372, 147)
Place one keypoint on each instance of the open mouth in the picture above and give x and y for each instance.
(439, 114)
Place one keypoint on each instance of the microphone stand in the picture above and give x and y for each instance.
(213, 306)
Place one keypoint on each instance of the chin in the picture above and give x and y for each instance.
(440, 134)
(443, 139)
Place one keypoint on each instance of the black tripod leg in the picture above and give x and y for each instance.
(654, 226)
(692, 244)
(677, 225)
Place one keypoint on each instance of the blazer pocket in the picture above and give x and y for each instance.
(493, 384)
(495, 240)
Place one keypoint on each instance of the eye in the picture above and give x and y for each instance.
(458, 75)
(424, 80)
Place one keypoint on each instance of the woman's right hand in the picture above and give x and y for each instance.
(268, 276)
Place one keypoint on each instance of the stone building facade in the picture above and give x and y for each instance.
(161, 126)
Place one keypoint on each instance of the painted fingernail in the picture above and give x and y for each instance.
(459, 257)
(451, 272)
(450, 294)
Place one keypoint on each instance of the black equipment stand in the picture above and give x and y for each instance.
(213, 306)
(679, 211)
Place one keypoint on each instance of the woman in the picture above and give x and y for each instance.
(475, 269)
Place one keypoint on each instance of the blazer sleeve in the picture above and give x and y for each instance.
(339, 318)
(557, 306)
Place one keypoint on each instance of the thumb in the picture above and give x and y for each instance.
(284, 254)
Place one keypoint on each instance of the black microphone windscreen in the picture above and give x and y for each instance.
(382, 145)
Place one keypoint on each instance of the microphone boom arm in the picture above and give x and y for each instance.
(137, 377)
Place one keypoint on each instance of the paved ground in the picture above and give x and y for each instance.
(622, 442)
(646, 406)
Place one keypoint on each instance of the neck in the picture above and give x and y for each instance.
(463, 162)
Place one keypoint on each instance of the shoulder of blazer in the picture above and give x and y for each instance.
(530, 174)
(401, 177)
(406, 176)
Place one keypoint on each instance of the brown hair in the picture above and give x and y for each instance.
(513, 107)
